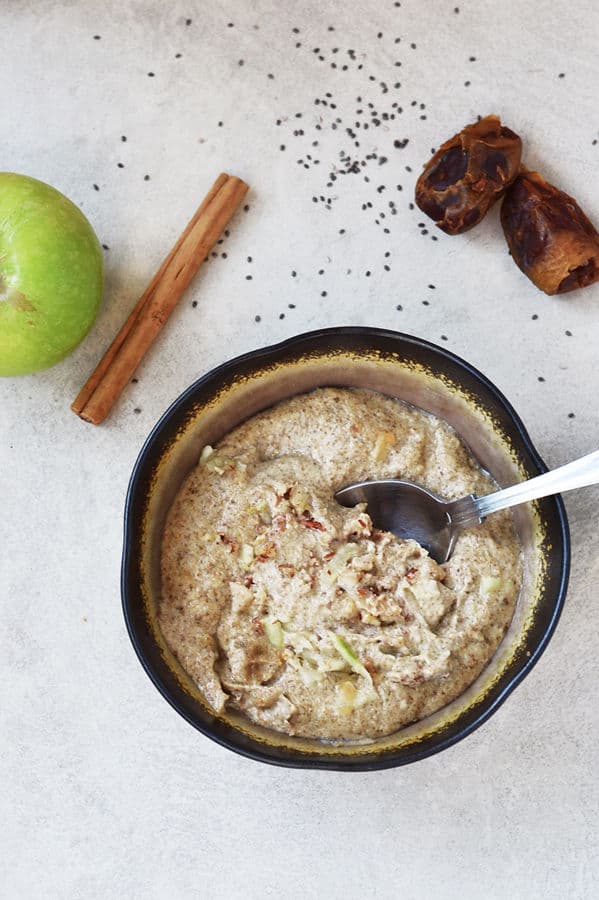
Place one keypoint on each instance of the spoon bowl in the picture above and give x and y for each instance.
(409, 511)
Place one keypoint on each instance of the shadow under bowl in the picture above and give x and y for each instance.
(400, 366)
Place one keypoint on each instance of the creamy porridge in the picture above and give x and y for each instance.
(282, 604)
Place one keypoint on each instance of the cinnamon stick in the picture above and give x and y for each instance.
(94, 379)
(114, 371)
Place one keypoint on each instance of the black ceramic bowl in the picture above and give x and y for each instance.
(397, 365)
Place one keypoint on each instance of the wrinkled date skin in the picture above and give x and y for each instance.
(468, 174)
(549, 236)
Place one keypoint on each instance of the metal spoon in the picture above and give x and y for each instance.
(410, 511)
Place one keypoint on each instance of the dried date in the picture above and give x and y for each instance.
(549, 236)
(468, 174)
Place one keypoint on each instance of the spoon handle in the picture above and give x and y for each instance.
(580, 473)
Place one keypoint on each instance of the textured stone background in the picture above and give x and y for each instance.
(107, 793)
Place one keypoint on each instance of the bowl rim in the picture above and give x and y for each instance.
(353, 764)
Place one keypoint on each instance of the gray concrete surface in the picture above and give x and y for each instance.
(107, 793)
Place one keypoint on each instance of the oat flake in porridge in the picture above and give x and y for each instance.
(284, 605)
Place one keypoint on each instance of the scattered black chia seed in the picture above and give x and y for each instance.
(105, 247)
(534, 317)
(249, 259)
(257, 318)
(194, 303)
(178, 55)
(150, 74)
(291, 305)
(96, 188)
(432, 287)
(146, 177)
(248, 277)
(246, 208)
(562, 75)
(571, 416)
(540, 378)
(188, 21)
(240, 62)
(323, 293)
(569, 333)
(123, 138)
(367, 120)
(443, 337)
(281, 315)
(293, 274)
(134, 380)
(97, 37)
(399, 307)
(137, 409)
(120, 165)
(425, 303)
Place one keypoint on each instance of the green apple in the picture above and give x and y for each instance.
(51, 275)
